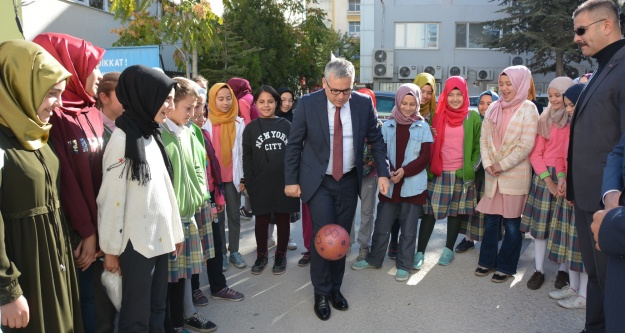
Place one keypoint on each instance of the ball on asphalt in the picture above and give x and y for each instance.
(332, 242)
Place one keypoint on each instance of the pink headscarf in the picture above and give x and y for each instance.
(520, 77)
(406, 89)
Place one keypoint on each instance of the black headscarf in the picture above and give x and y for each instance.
(289, 114)
(142, 91)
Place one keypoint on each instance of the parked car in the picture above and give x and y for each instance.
(474, 102)
(385, 101)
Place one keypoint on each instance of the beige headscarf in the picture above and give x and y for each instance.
(551, 116)
(28, 72)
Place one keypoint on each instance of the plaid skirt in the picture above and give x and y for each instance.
(539, 207)
(473, 224)
(190, 260)
(448, 196)
(563, 244)
(205, 225)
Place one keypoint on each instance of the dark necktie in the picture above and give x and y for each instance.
(337, 147)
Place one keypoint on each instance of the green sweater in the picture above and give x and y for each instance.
(187, 161)
(471, 151)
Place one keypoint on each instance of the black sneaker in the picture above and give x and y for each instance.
(464, 246)
(536, 280)
(392, 250)
(199, 324)
(245, 213)
(562, 279)
(259, 264)
(305, 259)
(279, 265)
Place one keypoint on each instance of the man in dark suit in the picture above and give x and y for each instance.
(609, 229)
(596, 127)
(323, 165)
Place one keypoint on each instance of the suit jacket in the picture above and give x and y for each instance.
(612, 243)
(596, 128)
(613, 175)
(308, 149)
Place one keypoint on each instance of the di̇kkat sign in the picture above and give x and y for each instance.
(116, 59)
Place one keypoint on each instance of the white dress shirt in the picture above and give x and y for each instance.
(348, 137)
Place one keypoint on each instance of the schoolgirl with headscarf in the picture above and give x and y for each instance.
(77, 135)
(138, 217)
(455, 158)
(37, 272)
(408, 140)
(563, 245)
(472, 226)
(286, 104)
(427, 108)
(225, 129)
(553, 130)
(245, 100)
(508, 135)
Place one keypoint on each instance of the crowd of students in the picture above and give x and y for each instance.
(138, 173)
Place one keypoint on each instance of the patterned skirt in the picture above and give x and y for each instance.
(205, 225)
(539, 207)
(448, 196)
(473, 224)
(563, 244)
(190, 261)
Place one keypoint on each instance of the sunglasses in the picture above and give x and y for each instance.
(582, 30)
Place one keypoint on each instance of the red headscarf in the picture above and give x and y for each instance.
(369, 93)
(242, 89)
(444, 116)
(80, 58)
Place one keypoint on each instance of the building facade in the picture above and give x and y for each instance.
(401, 38)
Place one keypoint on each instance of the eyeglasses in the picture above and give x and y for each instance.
(582, 30)
(336, 92)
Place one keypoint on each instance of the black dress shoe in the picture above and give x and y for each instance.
(338, 301)
(322, 308)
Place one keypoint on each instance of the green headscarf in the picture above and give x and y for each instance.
(28, 72)
(427, 110)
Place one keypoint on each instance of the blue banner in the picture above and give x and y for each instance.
(116, 59)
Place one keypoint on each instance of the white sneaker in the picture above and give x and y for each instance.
(292, 245)
(574, 302)
(563, 293)
(271, 243)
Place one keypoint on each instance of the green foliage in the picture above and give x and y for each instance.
(543, 29)
(143, 29)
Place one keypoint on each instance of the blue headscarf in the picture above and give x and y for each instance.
(490, 93)
(573, 92)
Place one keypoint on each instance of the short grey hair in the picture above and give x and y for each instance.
(339, 68)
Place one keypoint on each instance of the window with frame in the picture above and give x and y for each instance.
(354, 5)
(354, 28)
(416, 35)
(475, 35)
(98, 4)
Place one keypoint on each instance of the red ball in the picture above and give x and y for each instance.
(332, 242)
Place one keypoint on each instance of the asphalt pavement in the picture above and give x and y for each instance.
(434, 299)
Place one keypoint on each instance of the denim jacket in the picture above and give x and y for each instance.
(419, 133)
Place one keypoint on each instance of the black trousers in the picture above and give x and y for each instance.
(144, 292)
(333, 203)
(595, 263)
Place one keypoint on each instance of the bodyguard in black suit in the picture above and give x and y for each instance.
(596, 127)
(331, 189)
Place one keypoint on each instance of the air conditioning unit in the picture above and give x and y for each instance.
(458, 71)
(435, 70)
(518, 60)
(484, 74)
(383, 63)
(576, 71)
(407, 72)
